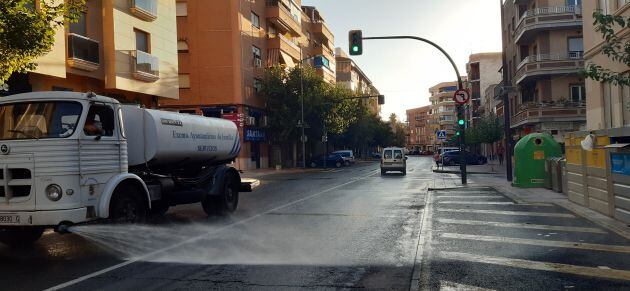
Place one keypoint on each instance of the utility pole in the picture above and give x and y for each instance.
(507, 149)
(356, 48)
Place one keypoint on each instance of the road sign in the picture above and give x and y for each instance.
(461, 96)
(441, 134)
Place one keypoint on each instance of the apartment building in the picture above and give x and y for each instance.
(419, 129)
(350, 75)
(224, 49)
(122, 49)
(544, 49)
(443, 114)
(483, 71)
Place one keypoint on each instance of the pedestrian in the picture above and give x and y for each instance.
(500, 151)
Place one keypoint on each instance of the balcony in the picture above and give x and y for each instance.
(321, 29)
(285, 45)
(280, 15)
(83, 53)
(144, 9)
(547, 18)
(549, 64)
(324, 51)
(145, 67)
(557, 112)
(328, 75)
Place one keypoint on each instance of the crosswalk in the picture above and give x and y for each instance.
(488, 229)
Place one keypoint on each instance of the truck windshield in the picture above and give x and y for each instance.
(36, 120)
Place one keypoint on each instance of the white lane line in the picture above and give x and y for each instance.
(452, 286)
(494, 203)
(200, 237)
(523, 225)
(538, 242)
(471, 197)
(541, 266)
(516, 213)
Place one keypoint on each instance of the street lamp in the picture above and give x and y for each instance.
(301, 123)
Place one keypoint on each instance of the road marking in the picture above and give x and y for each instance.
(472, 197)
(541, 266)
(452, 286)
(517, 213)
(493, 203)
(523, 225)
(538, 242)
(424, 243)
(197, 238)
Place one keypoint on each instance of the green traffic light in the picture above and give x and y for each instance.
(355, 48)
(460, 122)
(458, 133)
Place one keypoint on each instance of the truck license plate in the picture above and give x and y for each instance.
(9, 218)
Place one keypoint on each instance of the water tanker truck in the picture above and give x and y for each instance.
(69, 158)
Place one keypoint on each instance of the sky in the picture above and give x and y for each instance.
(404, 70)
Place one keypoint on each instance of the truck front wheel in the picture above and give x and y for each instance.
(20, 237)
(127, 205)
(226, 202)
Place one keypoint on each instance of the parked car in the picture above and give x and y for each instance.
(347, 155)
(393, 159)
(376, 156)
(426, 153)
(451, 158)
(332, 160)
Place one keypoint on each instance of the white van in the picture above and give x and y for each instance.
(393, 159)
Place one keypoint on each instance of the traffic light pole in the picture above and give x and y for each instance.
(460, 108)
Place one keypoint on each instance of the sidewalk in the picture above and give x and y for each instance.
(496, 179)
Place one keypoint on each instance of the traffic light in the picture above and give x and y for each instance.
(356, 42)
(381, 99)
(460, 122)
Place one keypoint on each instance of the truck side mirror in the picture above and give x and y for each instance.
(98, 137)
(406, 158)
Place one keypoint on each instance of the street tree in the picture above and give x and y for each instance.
(616, 47)
(28, 32)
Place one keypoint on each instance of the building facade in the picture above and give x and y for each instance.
(443, 113)
(122, 49)
(224, 49)
(419, 129)
(483, 71)
(350, 75)
(544, 49)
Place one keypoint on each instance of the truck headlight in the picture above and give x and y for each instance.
(53, 192)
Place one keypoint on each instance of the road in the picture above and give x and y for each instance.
(336, 229)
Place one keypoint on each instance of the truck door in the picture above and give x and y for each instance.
(99, 151)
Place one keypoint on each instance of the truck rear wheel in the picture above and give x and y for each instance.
(20, 237)
(127, 206)
(227, 202)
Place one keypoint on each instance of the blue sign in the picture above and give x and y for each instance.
(441, 134)
(620, 164)
(321, 61)
(254, 135)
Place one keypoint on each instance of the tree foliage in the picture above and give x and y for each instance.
(487, 129)
(28, 32)
(616, 47)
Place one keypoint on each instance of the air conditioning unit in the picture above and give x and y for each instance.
(250, 121)
(257, 63)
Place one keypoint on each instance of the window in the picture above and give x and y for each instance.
(184, 81)
(255, 20)
(574, 2)
(257, 56)
(122, 123)
(182, 46)
(56, 119)
(100, 121)
(576, 47)
(578, 93)
(142, 41)
(181, 9)
(257, 85)
(79, 27)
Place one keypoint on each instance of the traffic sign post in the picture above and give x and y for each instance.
(461, 96)
(441, 135)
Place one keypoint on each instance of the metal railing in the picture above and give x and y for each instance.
(83, 48)
(557, 108)
(149, 6)
(552, 10)
(288, 41)
(145, 63)
(551, 57)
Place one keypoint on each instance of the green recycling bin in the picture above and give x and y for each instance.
(530, 155)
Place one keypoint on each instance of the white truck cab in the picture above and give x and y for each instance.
(64, 159)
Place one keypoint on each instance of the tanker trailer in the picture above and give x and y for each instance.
(68, 158)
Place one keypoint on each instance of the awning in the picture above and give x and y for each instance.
(617, 145)
(288, 60)
(273, 57)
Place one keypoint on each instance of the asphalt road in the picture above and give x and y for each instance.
(337, 229)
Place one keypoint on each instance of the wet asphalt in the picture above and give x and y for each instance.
(339, 229)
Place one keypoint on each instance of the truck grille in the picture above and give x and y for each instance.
(15, 182)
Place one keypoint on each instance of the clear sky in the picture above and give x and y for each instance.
(404, 70)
